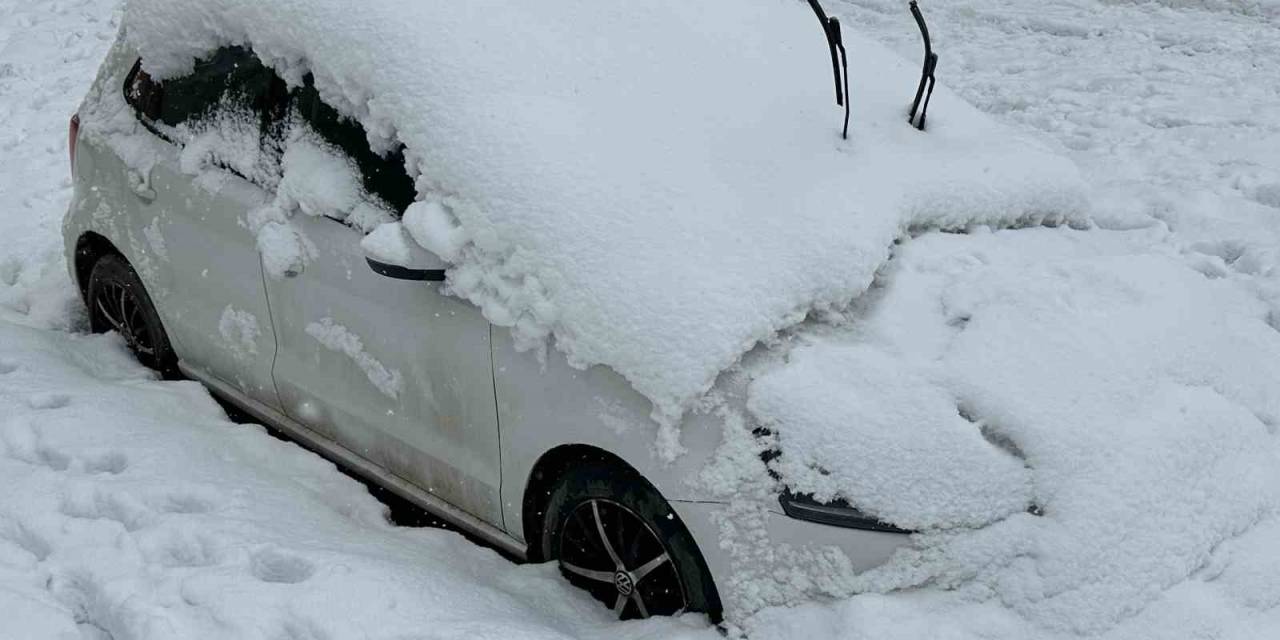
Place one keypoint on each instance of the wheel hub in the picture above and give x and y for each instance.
(624, 583)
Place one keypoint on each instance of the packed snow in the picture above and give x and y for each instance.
(571, 167)
(1102, 399)
(314, 180)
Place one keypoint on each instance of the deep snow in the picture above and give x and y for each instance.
(132, 508)
(698, 142)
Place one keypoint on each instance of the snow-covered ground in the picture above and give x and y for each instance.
(133, 509)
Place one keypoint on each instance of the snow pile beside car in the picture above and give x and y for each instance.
(133, 509)
(1127, 393)
(655, 185)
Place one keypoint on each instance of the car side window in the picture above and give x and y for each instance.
(143, 94)
(383, 175)
(231, 78)
(218, 113)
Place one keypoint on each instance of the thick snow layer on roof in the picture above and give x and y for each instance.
(656, 185)
(1127, 392)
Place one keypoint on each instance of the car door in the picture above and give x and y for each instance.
(190, 206)
(391, 369)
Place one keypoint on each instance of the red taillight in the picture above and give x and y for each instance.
(72, 134)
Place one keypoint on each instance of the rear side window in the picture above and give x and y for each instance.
(383, 175)
(232, 78)
(234, 82)
(219, 112)
(143, 93)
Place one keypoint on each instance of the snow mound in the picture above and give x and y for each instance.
(315, 180)
(887, 438)
(656, 186)
(1124, 390)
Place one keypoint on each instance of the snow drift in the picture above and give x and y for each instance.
(1125, 391)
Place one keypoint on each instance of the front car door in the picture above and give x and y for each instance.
(392, 370)
(189, 204)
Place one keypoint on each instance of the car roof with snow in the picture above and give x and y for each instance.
(652, 186)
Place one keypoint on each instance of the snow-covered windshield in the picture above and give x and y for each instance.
(657, 200)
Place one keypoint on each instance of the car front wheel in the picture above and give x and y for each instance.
(614, 536)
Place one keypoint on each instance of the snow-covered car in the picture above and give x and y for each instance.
(513, 263)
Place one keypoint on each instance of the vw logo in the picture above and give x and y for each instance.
(622, 580)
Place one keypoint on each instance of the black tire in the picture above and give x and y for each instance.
(118, 302)
(600, 501)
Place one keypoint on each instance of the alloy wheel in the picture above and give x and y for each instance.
(118, 309)
(608, 550)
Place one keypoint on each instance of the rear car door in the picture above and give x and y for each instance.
(391, 369)
(194, 201)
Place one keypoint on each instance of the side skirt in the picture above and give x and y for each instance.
(337, 453)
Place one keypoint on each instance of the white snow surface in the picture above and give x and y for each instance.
(314, 180)
(1131, 368)
(1125, 393)
(599, 151)
(1129, 365)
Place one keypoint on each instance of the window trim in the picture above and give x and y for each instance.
(146, 121)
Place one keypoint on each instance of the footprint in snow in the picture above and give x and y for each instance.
(184, 550)
(21, 442)
(275, 566)
(186, 503)
(45, 401)
(7, 366)
(303, 630)
(18, 534)
(120, 508)
(52, 458)
(111, 462)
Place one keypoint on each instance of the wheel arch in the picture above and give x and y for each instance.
(561, 460)
(91, 247)
(549, 468)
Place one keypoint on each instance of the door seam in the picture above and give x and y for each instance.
(275, 336)
(497, 420)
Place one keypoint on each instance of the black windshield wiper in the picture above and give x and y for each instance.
(839, 60)
(927, 78)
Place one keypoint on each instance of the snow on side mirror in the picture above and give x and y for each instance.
(392, 253)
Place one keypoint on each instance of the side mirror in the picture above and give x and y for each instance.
(392, 253)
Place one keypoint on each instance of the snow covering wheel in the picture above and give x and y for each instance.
(615, 537)
(118, 302)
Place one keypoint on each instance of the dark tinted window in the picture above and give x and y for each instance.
(383, 175)
(230, 78)
(143, 93)
(233, 78)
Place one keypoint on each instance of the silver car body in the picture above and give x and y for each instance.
(469, 418)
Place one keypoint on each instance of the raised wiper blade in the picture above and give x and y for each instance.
(927, 78)
(839, 59)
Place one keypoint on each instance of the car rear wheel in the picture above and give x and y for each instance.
(614, 536)
(118, 302)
